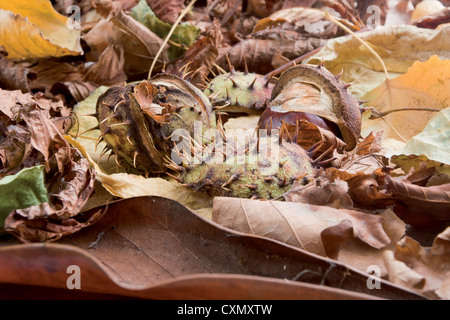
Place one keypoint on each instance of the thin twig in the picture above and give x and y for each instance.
(185, 11)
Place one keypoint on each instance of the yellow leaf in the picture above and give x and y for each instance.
(33, 29)
(425, 85)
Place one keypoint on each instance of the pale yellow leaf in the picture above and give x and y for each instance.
(425, 85)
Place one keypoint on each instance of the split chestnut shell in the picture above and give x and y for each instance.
(313, 90)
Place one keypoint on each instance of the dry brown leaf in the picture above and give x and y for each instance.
(196, 64)
(425, 270)
(259, 52)
(298, 224)
(321, 193)
(420, 206)
(154, 248)
(15, 75)
(140, 45)
(163, 241)
(167, 11)
(306, 21)
(69, 181)
(74, 91)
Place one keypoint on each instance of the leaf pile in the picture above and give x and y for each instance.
(386, 203)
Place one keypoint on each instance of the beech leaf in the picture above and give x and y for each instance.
(298, 224)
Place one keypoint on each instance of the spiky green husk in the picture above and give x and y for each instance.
(240, 92)
(124, 129)
(249, 175)
(140, 142)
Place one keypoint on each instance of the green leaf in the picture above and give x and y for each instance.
(22, 190)
(184, 34)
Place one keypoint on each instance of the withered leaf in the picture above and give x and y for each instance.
(298, 224)
(321, 192)
(167, 11)
(30, 262)
(69, 180)
(259, 52)
(196, 64)
(15, 75)
(420, 206)
(140, 45)
(149, 241)
(423, 269)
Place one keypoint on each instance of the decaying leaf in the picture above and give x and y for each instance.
(140, 45)
(425, 270)
(36, 30)
(22, 190)
(415, 161)
(198, 61)
(163, 241)
(259, 53)
(307, 21)
(69, 180)
(420, 206)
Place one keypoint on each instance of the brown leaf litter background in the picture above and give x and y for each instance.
(371, 206)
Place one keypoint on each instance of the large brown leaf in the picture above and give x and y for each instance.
(149, 241)
(31, 262)
(299, 224)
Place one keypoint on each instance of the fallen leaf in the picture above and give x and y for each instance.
(167, 11)
(15, 75)
(425, 85)
(425, 270)
(69, 180)
(406, 162)
(36, 30)
(399, 47)
(298, 224)
(433, 141)
(321, 193)
(306, 21)
(184, 34)
(420, 206)
(31, 262)
(22, 190)
(259, 53)
(140, 45)
(163, 242)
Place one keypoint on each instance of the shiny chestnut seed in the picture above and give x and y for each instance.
(272, 119)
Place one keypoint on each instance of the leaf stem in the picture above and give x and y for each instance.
(364, 43)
